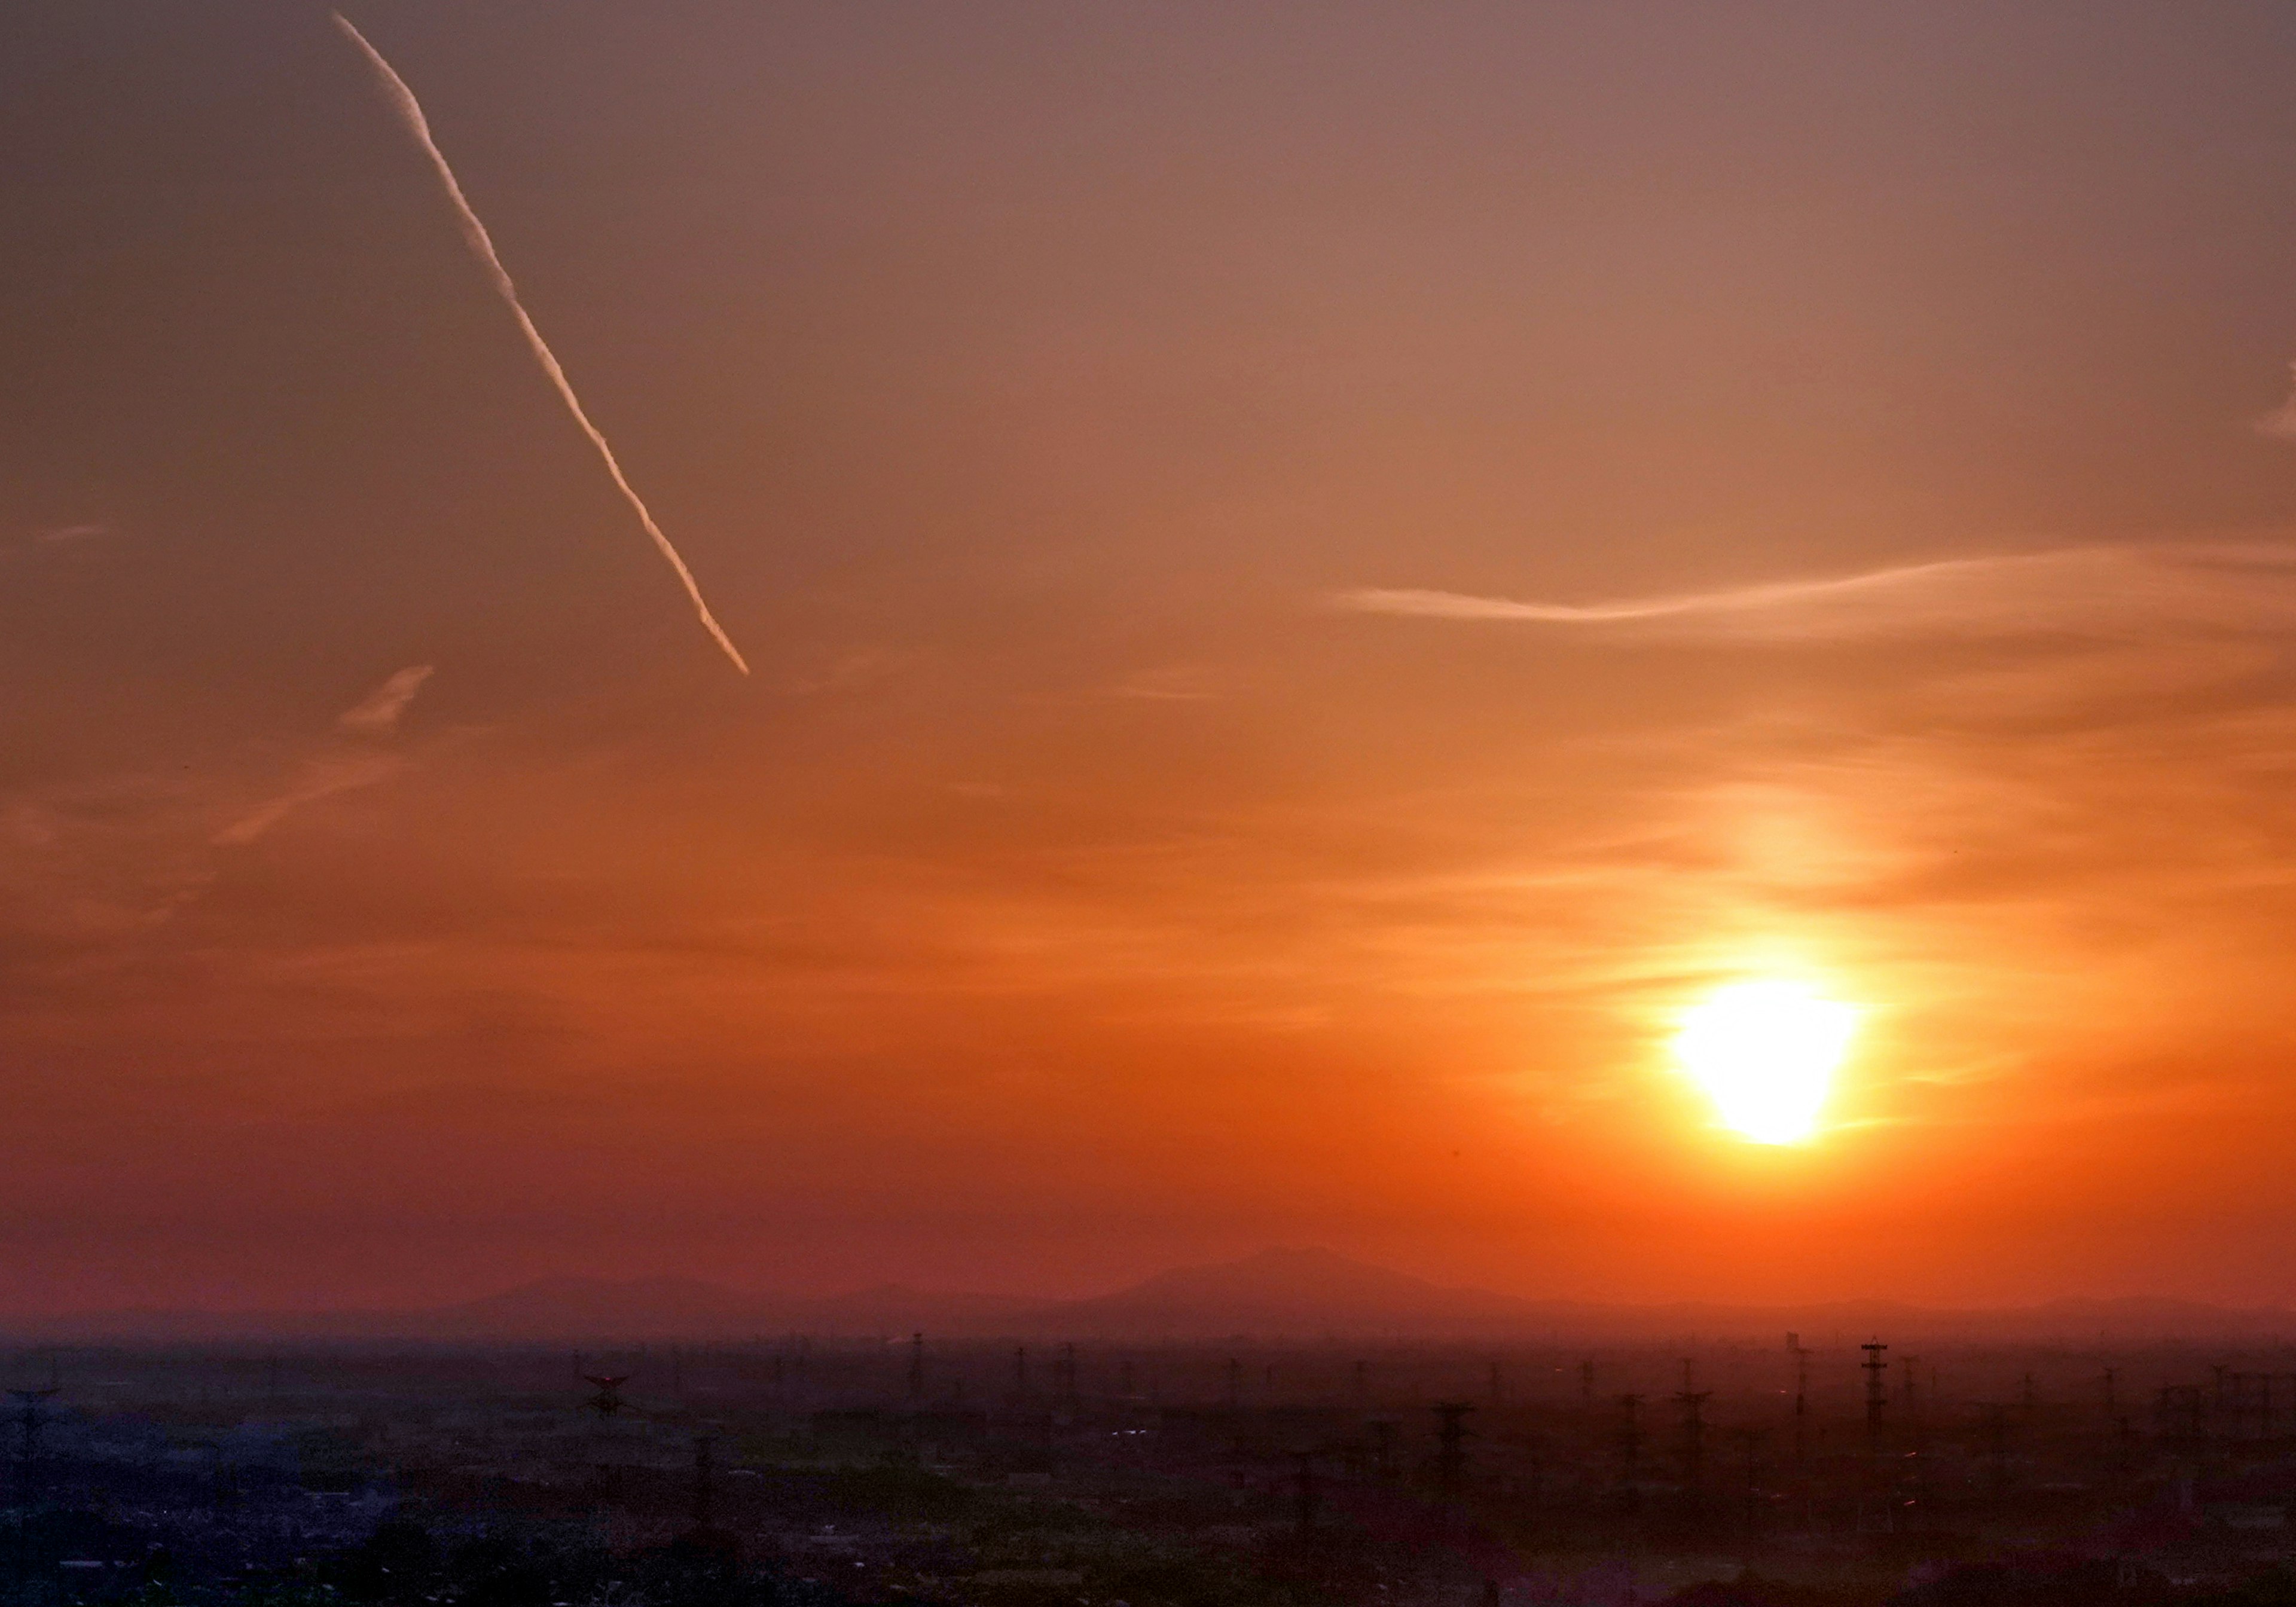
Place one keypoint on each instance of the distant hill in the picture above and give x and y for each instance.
(1300, 1294)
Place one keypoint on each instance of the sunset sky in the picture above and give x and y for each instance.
(1315, 577)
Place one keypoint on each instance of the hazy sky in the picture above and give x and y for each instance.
(1289, 555)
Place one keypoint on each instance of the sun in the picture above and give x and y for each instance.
(1765, 1051)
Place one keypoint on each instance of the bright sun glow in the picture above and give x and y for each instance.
(1765, 1053)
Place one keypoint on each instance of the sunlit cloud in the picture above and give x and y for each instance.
(90, 865)
(2056, 845)
(2089, 590)
(377, 714)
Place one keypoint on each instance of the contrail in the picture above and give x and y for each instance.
(2106, 591)
(482, 244)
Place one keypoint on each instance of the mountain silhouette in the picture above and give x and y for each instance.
(1300, 1294)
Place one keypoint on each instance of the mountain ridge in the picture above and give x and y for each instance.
(1294, 1294)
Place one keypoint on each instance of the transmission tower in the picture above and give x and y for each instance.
(1876, 1367)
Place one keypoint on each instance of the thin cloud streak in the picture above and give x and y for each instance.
(1172, 684)
(321, 778)
(344, 767)
(71, 539)
(2094, 590)
(482, 246)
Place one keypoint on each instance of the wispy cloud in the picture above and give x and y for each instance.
(2090, 590)
(377, 714)
(851, 670)
(2280, 423)
(344, 766)
(321, 777)
(1171, 684)
(54, 539)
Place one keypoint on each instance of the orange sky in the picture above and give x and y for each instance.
(1289, 561)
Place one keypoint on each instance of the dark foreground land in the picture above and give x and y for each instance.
(808, 1471)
